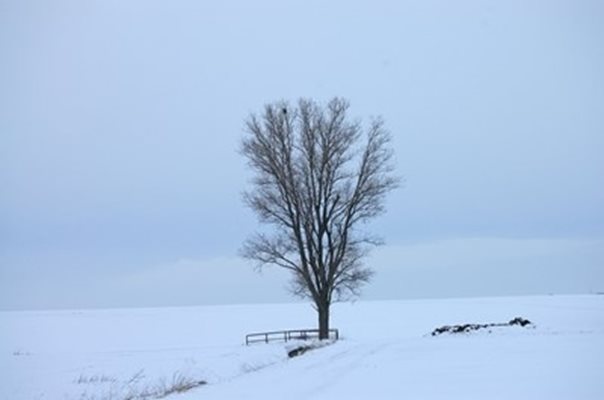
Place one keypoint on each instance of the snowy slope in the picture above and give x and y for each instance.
(386, 352)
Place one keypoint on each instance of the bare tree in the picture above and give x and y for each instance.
(316, 181)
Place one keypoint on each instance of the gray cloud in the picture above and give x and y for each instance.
(120, 123)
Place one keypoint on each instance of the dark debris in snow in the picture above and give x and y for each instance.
(465, 328)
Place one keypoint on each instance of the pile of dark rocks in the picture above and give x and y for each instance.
(465, 328)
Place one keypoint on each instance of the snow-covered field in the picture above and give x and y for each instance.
(386, 352)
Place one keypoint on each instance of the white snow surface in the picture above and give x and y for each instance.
(385, 352)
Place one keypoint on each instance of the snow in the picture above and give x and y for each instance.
(386, 351)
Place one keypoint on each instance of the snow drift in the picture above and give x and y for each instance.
(386, 352)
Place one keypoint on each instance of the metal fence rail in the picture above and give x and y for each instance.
(296, 334)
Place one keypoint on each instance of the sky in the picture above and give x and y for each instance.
(120, 123)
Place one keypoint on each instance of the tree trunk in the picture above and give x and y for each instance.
(323, 311)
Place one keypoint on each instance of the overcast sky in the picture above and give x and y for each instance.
(120, 121)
